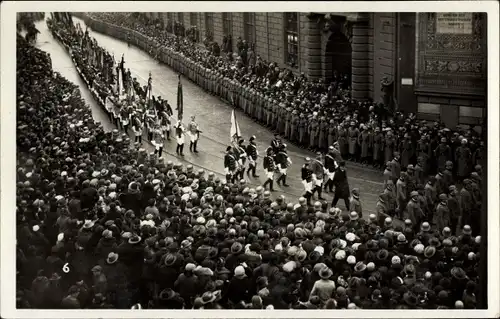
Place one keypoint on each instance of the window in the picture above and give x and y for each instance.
(180, 17)
(292, 38)
(227, 23)
(170, 21)
(249, 27)
(209, 23)
(193, 18)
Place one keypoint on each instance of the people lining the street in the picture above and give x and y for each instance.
(102, 224)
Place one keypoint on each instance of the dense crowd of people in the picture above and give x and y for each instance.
(101, 225)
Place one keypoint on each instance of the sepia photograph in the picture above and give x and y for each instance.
(325, 160)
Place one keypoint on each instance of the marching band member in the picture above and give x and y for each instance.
(283, 161)
(241, 157)
(252, 154)
(230, 165)
(180, 135)
(166, 126)
(150, 119)
(137, 129)
(307, 180)
(194, 134)
(116, 113)
(317, 175)
(158, 139)
(125, 117)
(108, 105)
(269, 167)
(330, 167)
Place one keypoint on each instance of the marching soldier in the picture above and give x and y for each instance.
(364, 141)
(332, 132)
(252, 154)
(307, 180)
(330, 167)
(269, 167)
(158, 139)
(353, 134)
(276, 143)
(341, 186)
(377, 146)
(125, 117)
(317, 175)
(194, 135)
(137, 130)
(166, 124)
(230, 165)
(241, 158)
(180, 136)
(283, 162)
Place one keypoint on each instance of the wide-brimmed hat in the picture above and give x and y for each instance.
(167, 294)
(325, 273)
(410, 299)
(360, 266)
(458, 273)
(170, 259)
(426, 227)
(112, 258)
(88, 224)
(134, 240)
(208, 297)
(236, 248)
(429, 251)
(382, 254)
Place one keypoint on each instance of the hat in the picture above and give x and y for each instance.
(429, 251)
(351, 260)
(353, 215)
(360, 266)
(396, 260)
(239, 271)
(458, 273)
(112, 258)
(325, 273)
(419, 248)
(425, 227)
(467, 230)
(382, 254)
(134, 240)
(208, 297)
(190, 267)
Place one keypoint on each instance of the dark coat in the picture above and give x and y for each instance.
(341, 184)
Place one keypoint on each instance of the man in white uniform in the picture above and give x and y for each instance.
(194, 134)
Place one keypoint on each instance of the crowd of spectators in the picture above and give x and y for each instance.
(101, 224)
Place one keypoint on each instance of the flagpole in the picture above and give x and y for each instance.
(180, 100)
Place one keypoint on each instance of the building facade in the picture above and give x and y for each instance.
(433, 64)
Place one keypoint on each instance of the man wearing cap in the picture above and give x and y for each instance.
(330, 166)
(353, 134)
(269, 168)
(240, 156)
(306, 175)
(454, 207)
(341, 186)
(377, 145)
(180, 136)
(413, 210)
(252, 154)
(318, 170)
(395, 167)
(442, 217)
(355, 203)
(463, 159)
(158, 139)
(401, 194)
(283, 162)
(448, 174)
(294, 127)
(276, 143)
(230, 165)
(442, 154)
(313, 134)
(303, 123)
(194, 134)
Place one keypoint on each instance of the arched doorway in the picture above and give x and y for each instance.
(338, 58)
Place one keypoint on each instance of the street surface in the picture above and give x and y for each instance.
(212, 115)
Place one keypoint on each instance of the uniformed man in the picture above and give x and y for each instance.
(377, 147)
(269, 167)
(180, 136)
(230, 165)
(276, 143)
(306, 175)
(283, 162)
(194, 134)
(332, 133)
(330, 167)
(294, 126)
(318, 171)
(241, 157)
(313, 133)
(323, 134)
(353, 134)
(401, 194)
(252, 154)
(302, 129)
(158, 140)
(137, 129)
(341, 186)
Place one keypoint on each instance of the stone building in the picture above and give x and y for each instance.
(433, 64)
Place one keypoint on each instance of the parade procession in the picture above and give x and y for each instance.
(291, 195)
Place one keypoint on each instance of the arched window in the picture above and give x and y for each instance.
(249, 26)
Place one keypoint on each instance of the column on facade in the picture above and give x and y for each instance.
(360, 78)
(313, 50)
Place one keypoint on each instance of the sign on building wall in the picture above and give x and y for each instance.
(454, 22)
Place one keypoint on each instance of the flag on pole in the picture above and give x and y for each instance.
(235, 132)
(180, 100)
(120, 77)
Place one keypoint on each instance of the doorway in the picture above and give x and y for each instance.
(338, 59)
